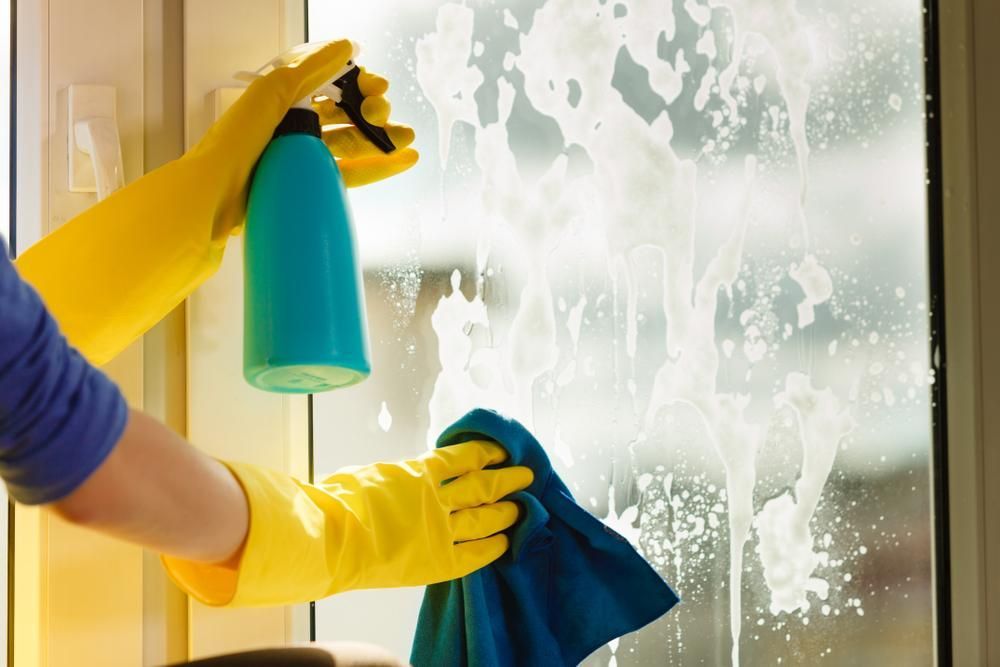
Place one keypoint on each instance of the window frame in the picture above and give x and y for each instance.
(938, 340)
(968, 98)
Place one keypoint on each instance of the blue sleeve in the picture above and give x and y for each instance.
(59, 416)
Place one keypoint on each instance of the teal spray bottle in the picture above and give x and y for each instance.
(305, 328)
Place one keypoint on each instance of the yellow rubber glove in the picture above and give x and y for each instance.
(113, 272)
(360, 161)
(378, 526)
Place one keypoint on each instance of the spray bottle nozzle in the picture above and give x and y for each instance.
(342, 91)
(350, 101)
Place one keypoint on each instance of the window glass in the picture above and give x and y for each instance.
(686, 245)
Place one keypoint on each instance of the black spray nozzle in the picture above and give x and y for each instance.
(350, 101)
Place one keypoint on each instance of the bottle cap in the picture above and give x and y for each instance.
(299, 121)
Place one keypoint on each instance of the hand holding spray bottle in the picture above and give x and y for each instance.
(305, 328)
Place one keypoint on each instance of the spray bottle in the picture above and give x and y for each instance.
(305, 328)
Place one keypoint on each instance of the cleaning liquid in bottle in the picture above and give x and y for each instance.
(305, 328)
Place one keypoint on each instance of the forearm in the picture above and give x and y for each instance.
(376, 526)
(156, 490)
(112, 272)
(69, 441)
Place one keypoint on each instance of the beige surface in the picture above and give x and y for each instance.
(987, 54)
(164, 615)
(970, 98)
(225, 416)
(77, 595)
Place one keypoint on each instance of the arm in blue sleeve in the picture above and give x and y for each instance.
(59, 416)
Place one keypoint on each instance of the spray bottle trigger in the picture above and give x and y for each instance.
(350, 101)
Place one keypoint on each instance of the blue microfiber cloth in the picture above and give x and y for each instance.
(567, 586)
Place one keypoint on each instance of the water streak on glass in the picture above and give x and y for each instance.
(686, 245)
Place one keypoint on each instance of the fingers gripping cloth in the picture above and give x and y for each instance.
(408, 523)
(568, 585)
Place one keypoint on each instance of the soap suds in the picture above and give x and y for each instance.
(400, 284)
(537, 213)
(816, 285)
(456, 390)
(622, 523)
(445, 77)
(698, 13)
(508, 19)
(706, 45)
(643, 26)
(384, 418)
(639, 207)
(785, 541)
(574, 319)
(786, 33)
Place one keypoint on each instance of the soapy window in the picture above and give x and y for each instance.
(687, 246)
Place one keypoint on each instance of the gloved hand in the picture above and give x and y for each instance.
(360, 161)
(377, 526)
(114, 271)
